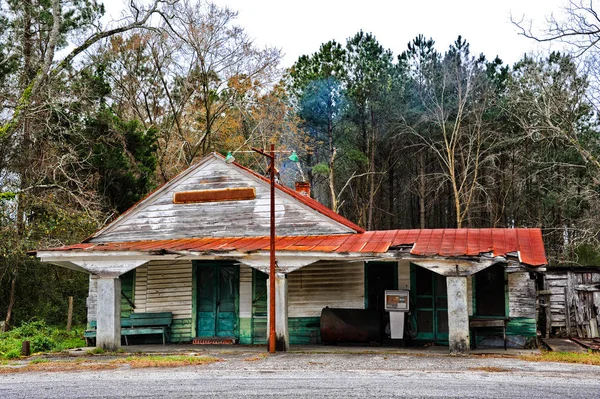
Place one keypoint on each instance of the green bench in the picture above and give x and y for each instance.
(138, 324)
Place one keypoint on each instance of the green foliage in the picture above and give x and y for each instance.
(124, 155)
(42, 337)
(587, 255)
(13, 354)
(7, 196)
(357, 156)
(321, 169)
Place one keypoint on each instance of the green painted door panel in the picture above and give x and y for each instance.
(430, 301)
(227, 312)
(217, 300)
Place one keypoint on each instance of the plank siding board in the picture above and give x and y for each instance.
(404, 275)
(92, 298)
(165, 286)
(314, 287)
(245, 291)
(159, 218)
(572, 309)
(521, 295)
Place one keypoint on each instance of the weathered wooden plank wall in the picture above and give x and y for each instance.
(521, 295)
(337, 285)
(92, 299)
(245, 304)
(160, 218)
(574, 299)
(166, 286)
(404, 275)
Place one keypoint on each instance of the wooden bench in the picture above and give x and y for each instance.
(487, 322)
(138, 324)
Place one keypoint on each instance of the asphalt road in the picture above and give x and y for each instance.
(320, 376)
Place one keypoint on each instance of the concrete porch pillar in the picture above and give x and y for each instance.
(458, 315)
(108, 313)
(282, 337)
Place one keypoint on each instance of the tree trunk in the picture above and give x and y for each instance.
(371, 175)
(421, 190)
(391, 209)
(11, 301)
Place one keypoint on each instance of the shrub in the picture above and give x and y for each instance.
(42, 343)
(13, 354)
(42, 337)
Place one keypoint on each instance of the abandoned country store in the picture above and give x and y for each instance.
(189, 263)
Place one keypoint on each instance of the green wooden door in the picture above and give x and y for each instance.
(259, 307)
(430, 299)
(218, 300)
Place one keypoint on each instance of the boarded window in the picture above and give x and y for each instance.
(217, 195)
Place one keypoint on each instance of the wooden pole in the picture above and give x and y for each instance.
(272, 258)
(25, 348)
(271, 339)
(70, 314)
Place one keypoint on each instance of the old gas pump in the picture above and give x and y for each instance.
(396, 302)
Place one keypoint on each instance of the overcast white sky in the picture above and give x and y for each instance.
(299, 27)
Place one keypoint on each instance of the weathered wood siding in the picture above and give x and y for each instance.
(574, 301)
(470, 300)
(337, 285)
(245, 304)
(159, 218)
(92, 299)
(404, 275)
(521, 295)
(166, 286)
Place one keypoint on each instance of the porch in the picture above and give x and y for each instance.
(213, 299)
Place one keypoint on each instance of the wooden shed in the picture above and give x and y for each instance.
(570, 301)
(198, 247)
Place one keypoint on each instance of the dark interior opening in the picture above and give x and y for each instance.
(489, 292)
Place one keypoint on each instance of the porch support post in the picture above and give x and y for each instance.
(458, 315)
(108, 316)
(282, 339)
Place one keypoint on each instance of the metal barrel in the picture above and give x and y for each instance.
(350, 326)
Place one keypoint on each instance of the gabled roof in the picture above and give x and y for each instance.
(527, 244)
(340, 224)
(316, 205)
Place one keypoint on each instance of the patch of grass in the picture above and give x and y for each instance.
(38, 361)
(490, 369)
(166, 361)
(255, 358)
(13, 354)
(58, 366)
(565, 357)
(42, 338)
(96, 351)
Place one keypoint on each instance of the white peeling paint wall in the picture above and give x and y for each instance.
(164, 286)
(245, 291)
(314, 287)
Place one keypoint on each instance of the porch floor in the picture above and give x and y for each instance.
(310, 349)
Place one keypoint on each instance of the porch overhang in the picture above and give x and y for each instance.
(115, 263)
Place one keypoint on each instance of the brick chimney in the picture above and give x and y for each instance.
(303, 188)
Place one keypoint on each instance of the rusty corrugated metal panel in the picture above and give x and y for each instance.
(527, 243)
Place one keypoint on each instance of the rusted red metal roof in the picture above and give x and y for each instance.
(526, 243)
